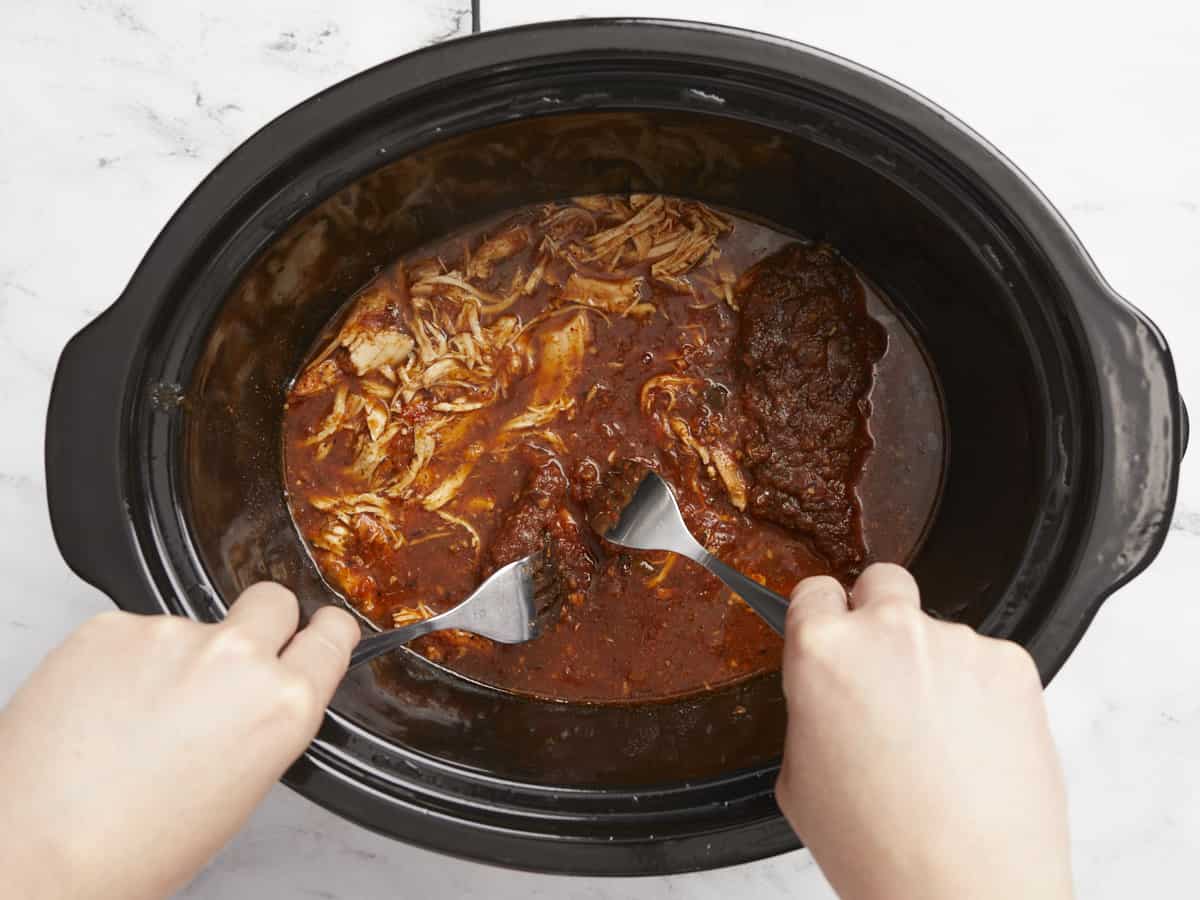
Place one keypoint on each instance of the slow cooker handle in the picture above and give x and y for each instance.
(1144, 434)
(84, 467)
(1185, 426)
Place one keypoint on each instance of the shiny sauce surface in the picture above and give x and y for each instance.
(493, 395)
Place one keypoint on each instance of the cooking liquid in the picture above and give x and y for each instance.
(648, 625)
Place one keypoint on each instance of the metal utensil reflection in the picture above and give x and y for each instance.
(651, 521)
(512, 606)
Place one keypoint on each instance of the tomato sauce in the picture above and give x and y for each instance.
(485, 396)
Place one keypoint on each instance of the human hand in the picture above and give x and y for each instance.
(139, 746)
(918, 761)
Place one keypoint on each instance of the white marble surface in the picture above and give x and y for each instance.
(112, 111)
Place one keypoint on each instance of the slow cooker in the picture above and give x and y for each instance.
(1065, 425)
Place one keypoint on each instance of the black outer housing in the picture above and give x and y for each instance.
(1107, 428)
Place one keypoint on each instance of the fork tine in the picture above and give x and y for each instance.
(547, 584)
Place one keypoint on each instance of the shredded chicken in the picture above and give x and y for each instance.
(334, 536)
(317, 378)
(684, 433)
(674, 235)
(424, 444)
(348, 505)
(451, 484)
(537, 416)
(407, 615)
(373, 451)
(664, 570)
(671, 385)
(429, 536)
(731, 475)
(377, 417)
(373, 529)
(462, 523)
(427, 351)
(346, 407)
(495, 249)
(378, 389)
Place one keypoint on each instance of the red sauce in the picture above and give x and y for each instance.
(490, 394)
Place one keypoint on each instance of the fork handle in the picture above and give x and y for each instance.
(768, 604)
(379, 644)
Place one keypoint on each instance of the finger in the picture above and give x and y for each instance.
(885, 583)
(320, 652)
(268, 612)
(820, 595)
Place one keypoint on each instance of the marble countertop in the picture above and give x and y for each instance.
(113, 110)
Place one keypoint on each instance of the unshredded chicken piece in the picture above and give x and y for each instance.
(612, 295)
(562, 351)
(370, 350)
(496, 249)
(372, 335)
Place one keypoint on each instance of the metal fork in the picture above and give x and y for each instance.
(512, 606)
(651, 521)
